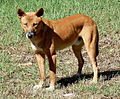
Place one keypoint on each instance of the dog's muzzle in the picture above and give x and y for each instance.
(30, 35)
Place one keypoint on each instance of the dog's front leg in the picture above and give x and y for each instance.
(41, 61)
(52, 67)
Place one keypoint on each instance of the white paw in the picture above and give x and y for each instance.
(37, 87)
(93, 82)
(51, 88)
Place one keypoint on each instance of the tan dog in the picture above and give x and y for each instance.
(48, 36)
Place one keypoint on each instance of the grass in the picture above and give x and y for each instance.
(17, 76)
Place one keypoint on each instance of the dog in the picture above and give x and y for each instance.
(48, 36)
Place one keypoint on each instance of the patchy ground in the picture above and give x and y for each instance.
(21, 73)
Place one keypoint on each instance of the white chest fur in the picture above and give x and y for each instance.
(36, 47)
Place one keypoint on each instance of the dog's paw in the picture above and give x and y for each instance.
(93, 82)
(51, 88)
(36, 87)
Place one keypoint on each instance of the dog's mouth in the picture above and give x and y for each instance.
(30, 35)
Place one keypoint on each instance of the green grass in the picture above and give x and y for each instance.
(104, 12)
(16, 81)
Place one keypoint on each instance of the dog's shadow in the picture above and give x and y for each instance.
(106, 75)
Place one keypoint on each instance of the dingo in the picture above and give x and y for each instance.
(48, 36)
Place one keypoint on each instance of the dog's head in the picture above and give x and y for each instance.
(30, 22)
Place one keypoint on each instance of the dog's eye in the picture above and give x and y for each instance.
(35, 24)
(25, 24)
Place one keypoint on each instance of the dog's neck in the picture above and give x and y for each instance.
(48, 23)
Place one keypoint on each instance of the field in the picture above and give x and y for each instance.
(18, 67)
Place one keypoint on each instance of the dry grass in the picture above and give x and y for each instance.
(19, 76)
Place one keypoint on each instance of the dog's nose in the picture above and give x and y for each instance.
(30, 35)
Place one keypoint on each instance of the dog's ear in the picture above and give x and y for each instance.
(40, 12)
(20, 13)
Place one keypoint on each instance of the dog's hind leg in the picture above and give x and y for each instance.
(77, 52)
(90, 38)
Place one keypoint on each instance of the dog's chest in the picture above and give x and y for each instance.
(34, 47)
